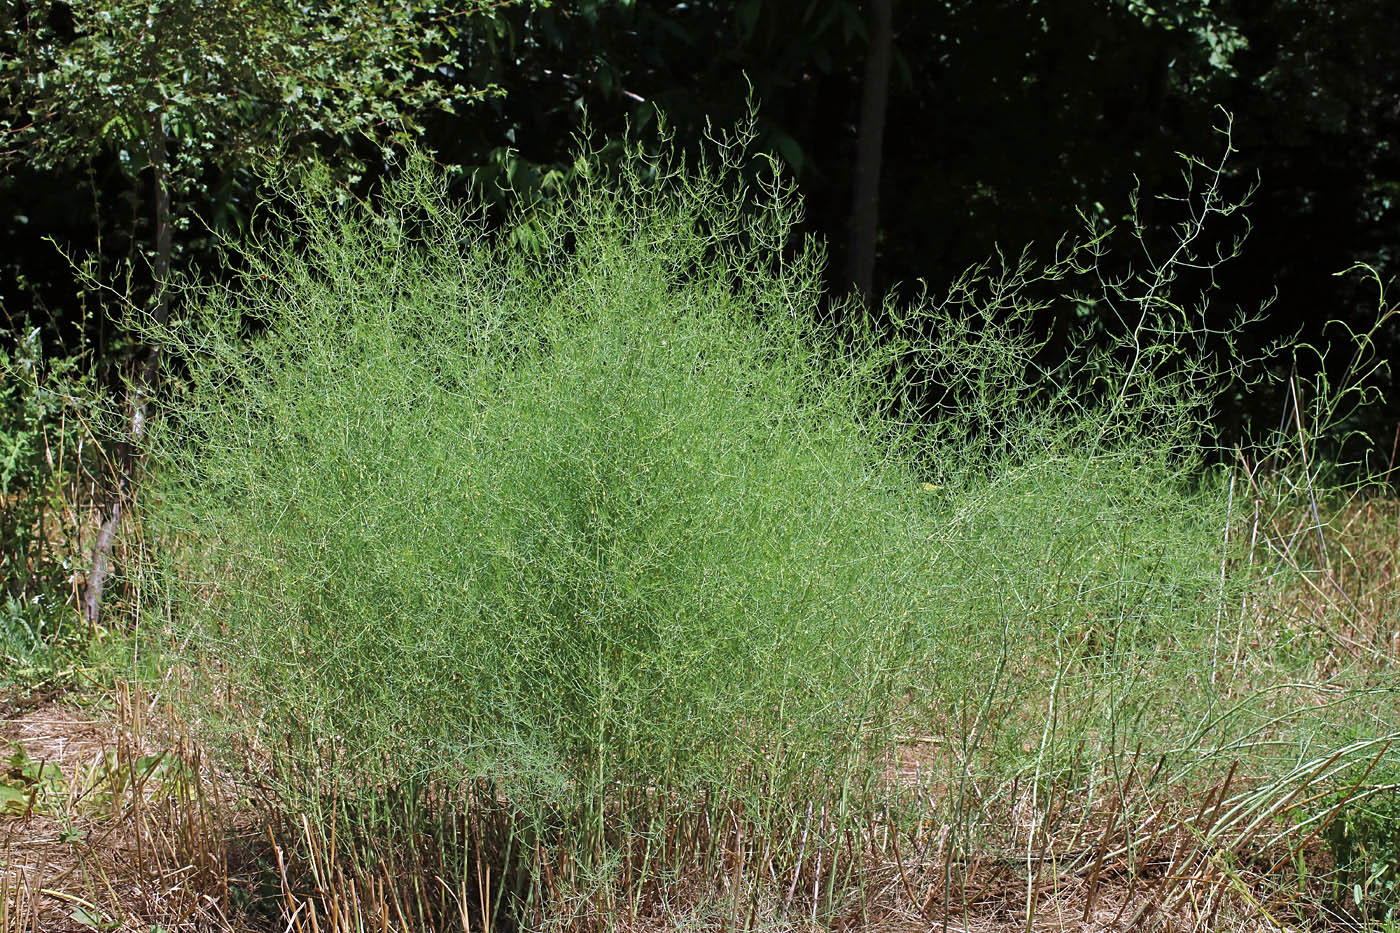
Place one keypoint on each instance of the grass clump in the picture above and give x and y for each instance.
(601, 572)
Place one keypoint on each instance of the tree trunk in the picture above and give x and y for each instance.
(142, 387)
(865, 201)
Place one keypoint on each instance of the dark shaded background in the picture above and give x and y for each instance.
(1004, 120)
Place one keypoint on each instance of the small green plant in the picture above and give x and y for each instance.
(27, 785)
(45, 410)
(1364, 839)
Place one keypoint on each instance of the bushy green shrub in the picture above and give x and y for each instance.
(607, 533)
(599, 520)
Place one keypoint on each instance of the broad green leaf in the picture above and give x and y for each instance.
(13, 800)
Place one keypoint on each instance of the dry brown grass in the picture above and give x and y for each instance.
(1350, 591)
(131, 840)
(153, 853)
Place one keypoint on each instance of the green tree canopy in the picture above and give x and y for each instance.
(224, 80)
(177, 87)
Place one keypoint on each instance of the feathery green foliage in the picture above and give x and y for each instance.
(560, 550)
